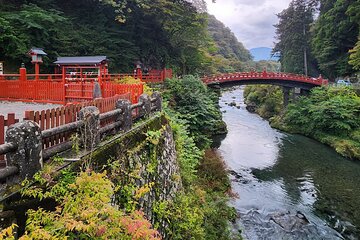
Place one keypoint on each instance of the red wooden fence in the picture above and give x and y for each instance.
(156, 76)
(50, 91)
(4, 123)
(51, 118)
(62, 89)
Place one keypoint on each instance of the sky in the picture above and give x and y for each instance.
(250, 20)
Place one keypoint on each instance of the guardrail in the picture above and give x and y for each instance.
(26, 143)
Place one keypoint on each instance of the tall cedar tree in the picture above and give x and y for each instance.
(335, 33)
(293, 36)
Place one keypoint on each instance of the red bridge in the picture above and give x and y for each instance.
(274, 78)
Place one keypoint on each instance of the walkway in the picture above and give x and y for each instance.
(19, 108)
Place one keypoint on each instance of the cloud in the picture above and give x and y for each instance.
(251, 20)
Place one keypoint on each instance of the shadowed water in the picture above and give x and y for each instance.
(289, 186)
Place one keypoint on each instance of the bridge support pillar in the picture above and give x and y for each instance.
(286, 94)
(297, 93)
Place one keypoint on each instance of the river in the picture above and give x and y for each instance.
(288, 186)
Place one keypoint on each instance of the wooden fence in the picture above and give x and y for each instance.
(156, 76)
(65, 88)
(55, 117)
(4, 123)
(49, 91)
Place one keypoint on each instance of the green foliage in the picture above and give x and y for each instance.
(47, 184)
(30, 26)
(159, 33)
(186, 217)
(354, 12)
(194, 104)
(228, 54)
(335, 33)
(200, 211)
(259, 66)
(334, 111)
(188, 154)
(331, 115)
(267, 99)
(330, 41)
(355, 56)
(226, 42)
(293, 36)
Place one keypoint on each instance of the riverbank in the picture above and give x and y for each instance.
(329, 115)
(289, 186)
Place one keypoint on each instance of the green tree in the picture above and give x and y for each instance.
(196, 106)
(354, 13)
(335, 33)
(293, 36)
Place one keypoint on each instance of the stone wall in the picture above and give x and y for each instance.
(144, 158)
(142, 164)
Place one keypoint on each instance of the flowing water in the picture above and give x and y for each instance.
(288, 186)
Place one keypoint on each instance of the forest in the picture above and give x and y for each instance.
(319, 37)
(175, 34)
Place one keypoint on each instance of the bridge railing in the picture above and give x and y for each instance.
(228, 77)
(28, 143)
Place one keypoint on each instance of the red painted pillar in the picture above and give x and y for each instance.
(139, 73)
(37, 71)
(264, 73)
(22, 72)
(64, 84)
(163, 75)
(22, 83)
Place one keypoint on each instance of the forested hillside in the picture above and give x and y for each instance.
(323, 32)
(171, 34)
(230, 55)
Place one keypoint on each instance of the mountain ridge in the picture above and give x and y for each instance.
(262, 53)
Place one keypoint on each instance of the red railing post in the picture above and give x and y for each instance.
(2, 139)
(22, 72)
(139, 73)
(163, 75)
(37, 71)
(264, 73)
(64, 85)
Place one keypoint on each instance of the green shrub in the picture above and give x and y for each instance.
(194, 103)
(330, 115)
